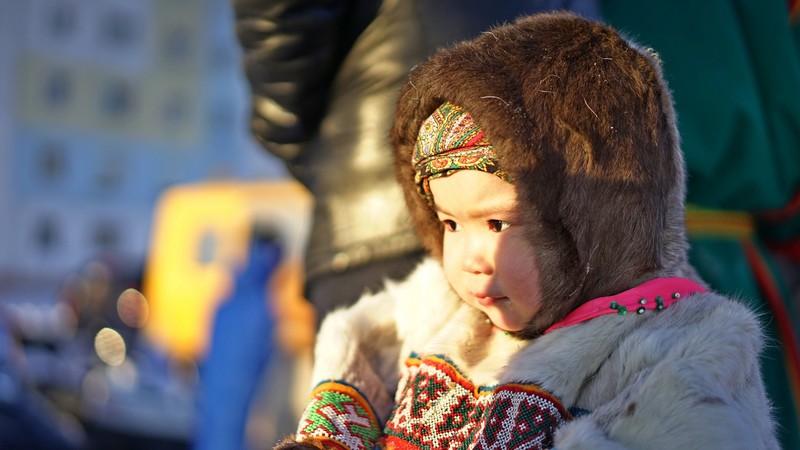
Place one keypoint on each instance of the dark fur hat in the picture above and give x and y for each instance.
(583, 121)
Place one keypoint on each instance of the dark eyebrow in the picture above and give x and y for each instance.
(485, 212)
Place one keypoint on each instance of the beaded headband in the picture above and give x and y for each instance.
(448, 141)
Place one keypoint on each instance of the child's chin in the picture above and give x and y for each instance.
(506, 327)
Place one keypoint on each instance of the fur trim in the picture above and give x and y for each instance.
(583, 121)
(685, 377)
(360, 343)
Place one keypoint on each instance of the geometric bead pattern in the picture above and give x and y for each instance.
(448, 141)
(438, 408)
(338, 415)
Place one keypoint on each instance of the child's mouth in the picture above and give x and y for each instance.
(487, 300)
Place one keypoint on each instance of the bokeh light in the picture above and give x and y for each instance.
(133, 308)
(110, 346)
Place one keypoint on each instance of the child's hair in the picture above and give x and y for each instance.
(581, 119)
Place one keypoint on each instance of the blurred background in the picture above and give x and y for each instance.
(138, 215)
(126, 160)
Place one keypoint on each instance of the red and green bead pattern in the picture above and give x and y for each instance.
(340, 417)
(439, 408)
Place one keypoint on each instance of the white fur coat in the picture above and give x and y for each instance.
(683, 378)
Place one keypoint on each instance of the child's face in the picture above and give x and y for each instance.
(486, 258)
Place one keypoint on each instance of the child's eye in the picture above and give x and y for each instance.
(450, 225)
(498, 225)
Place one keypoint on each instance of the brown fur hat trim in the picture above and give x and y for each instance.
(583, 121)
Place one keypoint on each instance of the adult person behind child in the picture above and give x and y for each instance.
(734, 68)
(541, 164)
(325, 76)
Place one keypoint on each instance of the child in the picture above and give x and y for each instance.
(542, 168)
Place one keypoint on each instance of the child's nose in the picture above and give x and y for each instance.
(474, 259)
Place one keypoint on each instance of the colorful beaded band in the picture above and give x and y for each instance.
(449, 140)
(440, 408)
(338, 415)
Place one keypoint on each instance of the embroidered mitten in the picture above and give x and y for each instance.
(338, 416)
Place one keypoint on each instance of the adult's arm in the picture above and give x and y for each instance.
(292, 50)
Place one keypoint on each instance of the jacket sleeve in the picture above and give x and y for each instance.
(291, 50)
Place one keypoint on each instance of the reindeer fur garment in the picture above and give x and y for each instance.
(686, 377)
(583, 121)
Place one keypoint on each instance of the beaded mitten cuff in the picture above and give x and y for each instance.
(338, 416)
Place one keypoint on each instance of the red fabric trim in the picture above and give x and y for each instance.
(789, 249)
(794, 10)
(772, 294)
(792, 208)
(663, 287)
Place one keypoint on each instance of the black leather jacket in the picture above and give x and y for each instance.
(325, 76)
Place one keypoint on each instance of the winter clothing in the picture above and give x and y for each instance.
(432, 370)
(629, 349)
(567, 116)
(325, 77)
